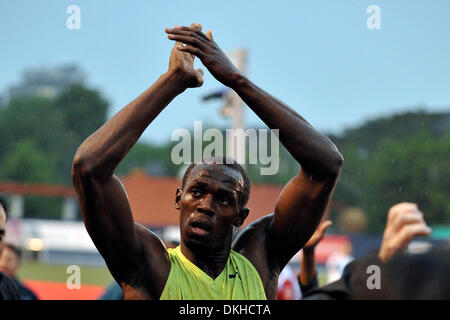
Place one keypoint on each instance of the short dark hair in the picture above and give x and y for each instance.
(231, 163)
(4, 204)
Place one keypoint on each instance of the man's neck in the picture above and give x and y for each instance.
(211, 262)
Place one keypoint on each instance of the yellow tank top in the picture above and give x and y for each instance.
(239, 280)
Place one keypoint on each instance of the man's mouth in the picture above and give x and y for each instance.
(201, 228)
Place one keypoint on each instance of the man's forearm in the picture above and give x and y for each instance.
(103, 150)
(315, 152)
(308, 270)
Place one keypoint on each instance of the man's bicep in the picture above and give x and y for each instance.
(298, 212)
(108, 220)
(134, 255)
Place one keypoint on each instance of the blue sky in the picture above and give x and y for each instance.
(317, 56)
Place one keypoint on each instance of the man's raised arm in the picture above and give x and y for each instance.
(302, 202)
(126, 246)
(304, 199)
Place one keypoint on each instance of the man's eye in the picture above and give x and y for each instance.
(224, 201)
(196, 192)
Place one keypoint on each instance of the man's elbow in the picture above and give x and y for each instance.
(338, 163)
(80, 167)
(83, 167)
(335, 163)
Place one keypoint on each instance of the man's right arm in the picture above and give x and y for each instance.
(130, 250)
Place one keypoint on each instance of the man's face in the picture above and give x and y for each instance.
(2, 227)
(209, 205)
(9, 262)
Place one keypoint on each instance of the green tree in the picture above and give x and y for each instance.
(39, 137)
(153, 159)
(414, 169)
(26, 163)
(397, 158)
(30, 118)
(84, 110)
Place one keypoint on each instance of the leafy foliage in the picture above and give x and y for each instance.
(399, 158)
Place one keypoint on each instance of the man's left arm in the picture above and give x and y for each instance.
(304, 199)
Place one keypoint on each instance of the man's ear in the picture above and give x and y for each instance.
(178, 198)
(243, 214)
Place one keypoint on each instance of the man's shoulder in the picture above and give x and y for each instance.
(25, 292)
(254, 232)
(251, 242)
(261, 224)
(8, 289)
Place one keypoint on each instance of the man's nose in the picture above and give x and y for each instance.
(207, 205)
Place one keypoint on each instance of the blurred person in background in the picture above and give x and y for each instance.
(308, 276)
(112, 292)
(409, 275)
(8, 289)
(404, 222)
(418, 276)
(337, 261)
(10, 260)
